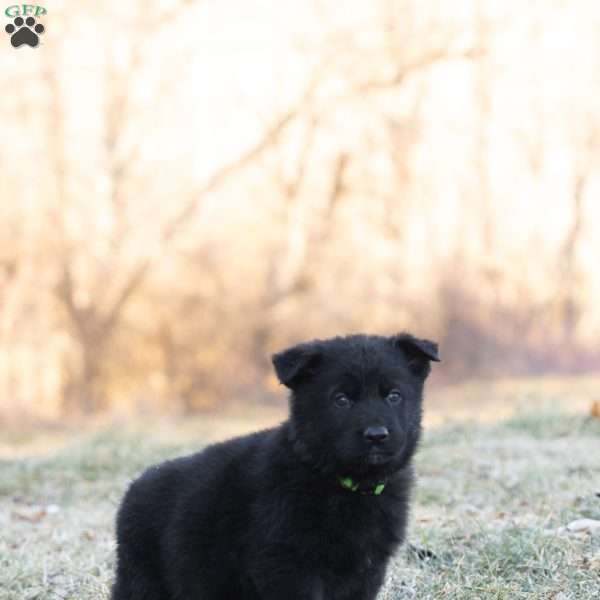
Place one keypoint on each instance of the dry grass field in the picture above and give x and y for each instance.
(491, 506)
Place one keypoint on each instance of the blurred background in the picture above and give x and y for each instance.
(188, 186)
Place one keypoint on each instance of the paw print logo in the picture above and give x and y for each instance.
(24, 32)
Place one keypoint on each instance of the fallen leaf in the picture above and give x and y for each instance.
(31, 516)
(594, 562)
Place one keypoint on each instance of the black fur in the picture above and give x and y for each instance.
(265, 516)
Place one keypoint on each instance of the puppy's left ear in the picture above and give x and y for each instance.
(418, 352)
(296, 364)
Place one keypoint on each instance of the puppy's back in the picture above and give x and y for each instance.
(183, 514)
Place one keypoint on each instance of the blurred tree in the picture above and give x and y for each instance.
(169, 238)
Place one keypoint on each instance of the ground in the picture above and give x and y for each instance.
(489, 507)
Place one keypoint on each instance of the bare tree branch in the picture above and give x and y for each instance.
(139, 274)
(423, 62)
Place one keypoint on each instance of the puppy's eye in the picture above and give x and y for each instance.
(394, 397)
(342, 401)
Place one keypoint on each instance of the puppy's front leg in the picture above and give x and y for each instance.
(291, 586)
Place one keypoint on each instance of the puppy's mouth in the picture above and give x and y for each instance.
(376, 457)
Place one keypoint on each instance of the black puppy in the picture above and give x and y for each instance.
(312, 509)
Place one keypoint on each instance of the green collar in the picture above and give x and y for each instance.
(349, 484)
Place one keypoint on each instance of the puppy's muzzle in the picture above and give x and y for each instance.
(376, 435)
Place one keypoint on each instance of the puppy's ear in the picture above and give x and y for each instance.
(296, 363)
(418, 352)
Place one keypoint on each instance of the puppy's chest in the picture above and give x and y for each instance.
(354, 533)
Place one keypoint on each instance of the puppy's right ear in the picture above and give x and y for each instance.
(296, 363)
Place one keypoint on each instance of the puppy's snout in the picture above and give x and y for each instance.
(376, 435)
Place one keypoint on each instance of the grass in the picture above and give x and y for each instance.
(489, 505)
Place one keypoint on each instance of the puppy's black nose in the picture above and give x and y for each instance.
(376, 435)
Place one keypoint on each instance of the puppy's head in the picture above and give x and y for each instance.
(356, 401)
